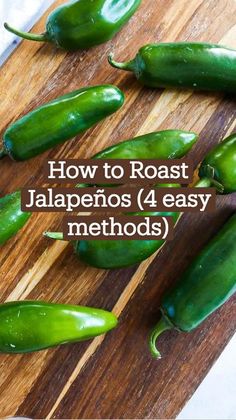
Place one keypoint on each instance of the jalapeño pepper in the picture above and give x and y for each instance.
(207, 284)
(184, 65)
(220, 165)
(166, 144)
(31, 326)
(60, 120)
(83, 23)
(12, 219)
(117, 253)
(120, 253)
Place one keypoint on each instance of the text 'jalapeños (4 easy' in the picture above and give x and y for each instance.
(184, 65)
(31, 326)
(60, 120)
(83, 23)
(207, 284)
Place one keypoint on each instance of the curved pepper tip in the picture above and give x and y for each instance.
(163, 325)
(113, 321)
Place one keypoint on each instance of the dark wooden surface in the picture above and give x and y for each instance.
(113, 377)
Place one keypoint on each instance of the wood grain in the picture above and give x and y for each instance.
(113, 377)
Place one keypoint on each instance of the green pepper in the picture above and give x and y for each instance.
(12, 219)
(60, 120)
(31, 326)
(220, 165)
(184, 65)
(83, 23)
(166, 144)
(207, 284)
(118, 253)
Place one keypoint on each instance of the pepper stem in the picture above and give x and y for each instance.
(127, 65)
(26, 35)
(208, 182)
(58, 236)
(163, 325)
(2, 153)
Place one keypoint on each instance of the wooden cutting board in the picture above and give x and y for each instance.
(113, 377)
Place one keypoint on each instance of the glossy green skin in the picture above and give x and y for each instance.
(117, 253)
(207, 284)
(85, 23)
(223, 161)
(60, 120)
(12, 219)
(185, 65)
(32, 326)
(168, 144)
